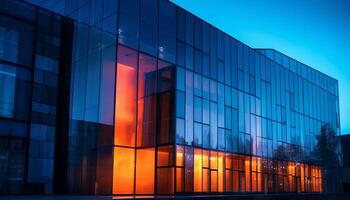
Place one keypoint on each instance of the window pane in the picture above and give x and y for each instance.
(147, 75)
(165, 156)
(165, 118)
(167, 31)
(147, 117)
(197, 170)
(165, 180)
(197, 134)
(129, 22)
(145, 162)
(180, 131)
(188, 169)
(148, 26)
(14, 92)
(125, 109)
(147, 103)
(123, 170)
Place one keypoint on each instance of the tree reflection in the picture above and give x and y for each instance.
(328, 155)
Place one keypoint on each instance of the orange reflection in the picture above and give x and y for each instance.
(125, 109)
(180, 180)
(247, 174)
(214, 181)
(179, 156)
(145, 161)
(206, 180)
(164, 156)
(302, 177)
(123, 170)
(165, 180)
(197, 170)
(221, 166)
(206, 158)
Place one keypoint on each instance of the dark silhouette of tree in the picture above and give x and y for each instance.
(328, 155)
(280, 153)
(326, 151)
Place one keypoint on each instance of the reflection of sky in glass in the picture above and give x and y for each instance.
(313, 32)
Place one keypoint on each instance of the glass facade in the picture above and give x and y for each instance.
(142, 97)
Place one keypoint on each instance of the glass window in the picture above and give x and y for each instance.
(221, 105)
(197, 85)
(165, 180)
(198, 176)
(205, 65)
(198, 33)
(180, 131)
(14, 92)
(213, 90)
(189, 57)
(129, 22)
(181, 24)
(197, 61)
(147, 121)
(165, 156)
(180, 104)
(206, 136)
(123, 170)
(166, 77)
(167, 31)
(228, 140)
(16, 40)
(107, 90)
(228, 119)
(189, 28)
(148, 26)
(189, 108)
(197, 109)
(165, 107)
(205, 104)
(220, 45)
(145, 160)
(213, 125)
(181, 54)
(205, 87)
(205, 37)
(180, 79)
(197, 134)
(147, 75)
(221, 138)
(188, 169)
(213, 53)
(221, 71)
(125, 120)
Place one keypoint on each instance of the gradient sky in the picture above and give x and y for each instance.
(315, 32)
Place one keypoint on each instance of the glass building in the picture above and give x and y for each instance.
(142, 97)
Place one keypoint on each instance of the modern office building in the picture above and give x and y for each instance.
(142, 97)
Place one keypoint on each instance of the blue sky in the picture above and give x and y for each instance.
(315, 32)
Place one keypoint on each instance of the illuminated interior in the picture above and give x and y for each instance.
(146, 163)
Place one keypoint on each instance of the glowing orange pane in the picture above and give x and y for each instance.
(205, 180)
(213, 160)
(205, 158)
(125, 109)
(123, 170)
(221, 165)
(214, 181)
(197, 170)
(180, 180)
(145, 161)
(179, 156)
(247, 174)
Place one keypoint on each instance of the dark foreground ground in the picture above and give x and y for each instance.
(344, 196)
